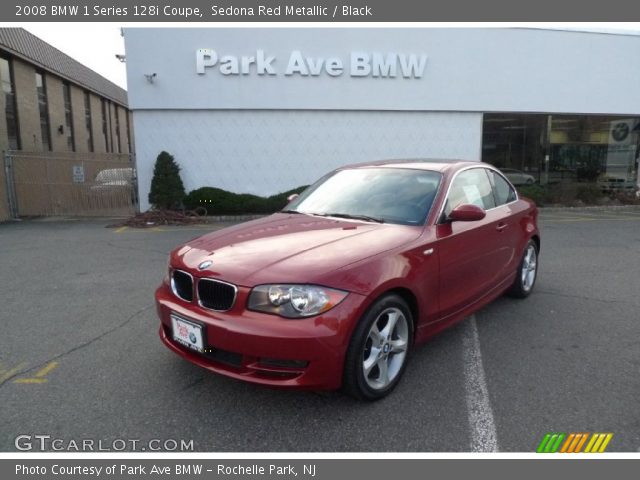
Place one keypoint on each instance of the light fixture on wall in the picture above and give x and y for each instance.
(150, 77)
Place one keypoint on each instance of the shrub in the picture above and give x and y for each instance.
(167, 189)
(589, 194)
(627, 198)
(537, 193)
(563, 194)
(221, 202)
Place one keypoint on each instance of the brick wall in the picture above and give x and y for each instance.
(77, 110)
(27, 102)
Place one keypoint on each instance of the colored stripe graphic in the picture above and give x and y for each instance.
(543, 443)
(550, 443)
(567, 443)
(578, 448)
(574, 442)
(598, 442)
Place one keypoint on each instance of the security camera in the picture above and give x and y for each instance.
(122, 58)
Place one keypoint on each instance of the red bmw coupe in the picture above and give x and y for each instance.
(338, 288)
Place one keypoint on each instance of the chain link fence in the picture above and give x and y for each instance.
(70, 184)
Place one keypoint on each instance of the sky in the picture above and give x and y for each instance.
(96, 44)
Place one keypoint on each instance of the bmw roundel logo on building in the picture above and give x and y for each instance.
(205, 264)
(620, 132)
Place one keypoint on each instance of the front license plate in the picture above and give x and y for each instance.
(187, 333)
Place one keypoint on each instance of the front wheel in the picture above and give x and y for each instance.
(379, 349)
(527, 272)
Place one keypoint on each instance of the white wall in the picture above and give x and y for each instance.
(478, 70)
(266, 152)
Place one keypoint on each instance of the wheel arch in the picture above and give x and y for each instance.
(536, 239)
(412, 302)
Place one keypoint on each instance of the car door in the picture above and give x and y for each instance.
(506, 220)
(469, 252)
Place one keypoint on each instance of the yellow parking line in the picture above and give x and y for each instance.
(168, 228)
(592, 219)
(121, 229)
(47, 369)
(570, 220)
(39, 376)
(12, 372)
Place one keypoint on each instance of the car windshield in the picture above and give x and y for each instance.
(376, 194)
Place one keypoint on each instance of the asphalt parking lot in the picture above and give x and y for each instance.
(80, 356)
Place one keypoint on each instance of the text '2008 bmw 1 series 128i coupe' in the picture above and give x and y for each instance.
(338, 288)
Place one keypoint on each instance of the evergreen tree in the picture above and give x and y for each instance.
(167, 190)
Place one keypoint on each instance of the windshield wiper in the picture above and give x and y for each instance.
(354, 217)
(289, 211)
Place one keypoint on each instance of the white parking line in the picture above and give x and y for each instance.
(483, 429)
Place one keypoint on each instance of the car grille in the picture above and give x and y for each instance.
(216, 295)
(182, 285)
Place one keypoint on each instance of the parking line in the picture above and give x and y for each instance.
(8, 374)
(480, 414)
(168, 228)
(39, 376)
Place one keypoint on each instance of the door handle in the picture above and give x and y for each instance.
(501, 226)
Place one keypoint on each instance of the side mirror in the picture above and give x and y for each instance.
(292, 197)
(467, 213)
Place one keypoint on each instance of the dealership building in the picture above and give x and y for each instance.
(265, 110)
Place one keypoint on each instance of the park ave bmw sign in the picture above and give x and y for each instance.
(357, 64)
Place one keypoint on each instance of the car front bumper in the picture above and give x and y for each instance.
(262, 348)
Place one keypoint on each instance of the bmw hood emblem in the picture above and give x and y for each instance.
(205, 264)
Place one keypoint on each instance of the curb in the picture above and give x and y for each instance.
(231, 218)
(597, 208)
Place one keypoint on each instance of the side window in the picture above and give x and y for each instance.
(503, 192)
(471, 186)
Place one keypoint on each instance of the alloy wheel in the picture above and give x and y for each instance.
(529, 268)
(385, 349)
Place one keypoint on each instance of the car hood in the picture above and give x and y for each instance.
(288, 248)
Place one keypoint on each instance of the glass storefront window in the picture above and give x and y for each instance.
(515, 143)
(565, 150)
(600, 149)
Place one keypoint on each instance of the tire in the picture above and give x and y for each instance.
(372, 371)
(527, 272)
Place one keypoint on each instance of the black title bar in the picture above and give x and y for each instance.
(217, 11)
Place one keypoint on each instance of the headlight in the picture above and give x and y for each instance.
(294, 301)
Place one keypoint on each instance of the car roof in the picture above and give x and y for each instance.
(434, 164)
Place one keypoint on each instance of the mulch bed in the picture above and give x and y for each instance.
(154, 218)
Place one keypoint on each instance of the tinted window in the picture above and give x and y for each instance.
(43, 107)
(503, 192)
(10, 110)
(393, 195)
(470, 187)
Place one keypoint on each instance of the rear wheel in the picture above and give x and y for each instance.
(379, 349)
(527, 272)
